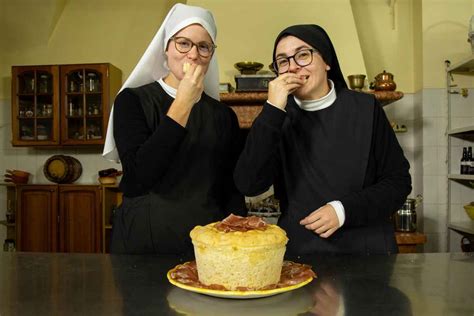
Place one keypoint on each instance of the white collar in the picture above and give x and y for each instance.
(318, 104)
(168, 89)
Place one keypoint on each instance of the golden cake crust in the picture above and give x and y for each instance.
(211, 236)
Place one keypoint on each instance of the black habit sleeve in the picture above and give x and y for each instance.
(387, 181)
(233, 200)
(258, 164)
(145, 155)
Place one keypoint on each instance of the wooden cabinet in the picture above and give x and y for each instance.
(37, 218)
(64, 218)
(35, 105)
(80, 219)
(62, 104)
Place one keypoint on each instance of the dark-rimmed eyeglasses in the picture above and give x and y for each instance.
(302, 58)
(184, 45)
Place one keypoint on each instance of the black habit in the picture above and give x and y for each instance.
(347, 152)
(174, 178)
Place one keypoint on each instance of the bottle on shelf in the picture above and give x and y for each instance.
(71, 108)
(464, 165)
(470, 161)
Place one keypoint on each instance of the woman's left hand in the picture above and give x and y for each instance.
(322, 221)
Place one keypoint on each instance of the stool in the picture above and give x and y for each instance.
(407, 242)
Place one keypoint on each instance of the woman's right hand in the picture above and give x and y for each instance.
(188, 93)
(281, 87)
(191, 86)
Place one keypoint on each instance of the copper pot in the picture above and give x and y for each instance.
(384, 82)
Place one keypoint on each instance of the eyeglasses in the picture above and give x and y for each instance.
(184, 45)
(302, 58)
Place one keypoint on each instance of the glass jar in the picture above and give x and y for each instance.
(9, 245)
(92, 83)
(43, 84)
(29, 85)
(72, 86)
(49, 110)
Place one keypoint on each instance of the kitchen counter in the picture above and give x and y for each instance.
(97, 284)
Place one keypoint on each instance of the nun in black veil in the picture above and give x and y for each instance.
(330, 152)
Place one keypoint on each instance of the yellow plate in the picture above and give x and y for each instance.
(235, 294)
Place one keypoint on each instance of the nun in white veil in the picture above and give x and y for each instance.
(177, 143)
(153, 64)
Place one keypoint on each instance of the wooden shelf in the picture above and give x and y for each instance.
(385, 97)
(248, 105)
(407, 242)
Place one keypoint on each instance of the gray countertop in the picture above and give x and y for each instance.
(96, 284)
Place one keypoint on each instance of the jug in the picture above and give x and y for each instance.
(384, 82)
(405, 217)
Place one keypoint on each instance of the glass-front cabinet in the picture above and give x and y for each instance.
(62, 105)
(35, 100)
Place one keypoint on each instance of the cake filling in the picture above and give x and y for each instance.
(234, 223)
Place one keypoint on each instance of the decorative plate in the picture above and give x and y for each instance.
(235, 294)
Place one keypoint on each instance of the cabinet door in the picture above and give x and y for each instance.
(80, 219)
(37, 220)
(35, 105)
(85, 99)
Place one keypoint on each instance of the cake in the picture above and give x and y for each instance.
(239, 253)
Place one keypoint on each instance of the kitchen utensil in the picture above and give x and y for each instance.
(405, 217)
(248, 67)
(356, 82)
(384, 82)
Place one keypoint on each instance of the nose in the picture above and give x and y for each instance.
(193, 53)
(293, 66)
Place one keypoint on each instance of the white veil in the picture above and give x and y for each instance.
(152, 66)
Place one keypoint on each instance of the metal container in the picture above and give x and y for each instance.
(405, 218)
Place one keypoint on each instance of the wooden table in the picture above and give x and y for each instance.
(408, 242)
